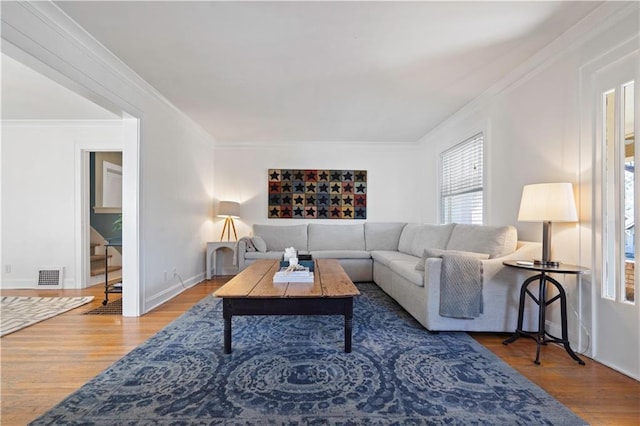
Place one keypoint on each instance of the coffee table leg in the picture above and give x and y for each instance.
(226, 315)
(348, 324)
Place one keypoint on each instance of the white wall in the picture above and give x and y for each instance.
(176, 214)
(394, 186)
(169, 213)
(39, 181)
(532, 122)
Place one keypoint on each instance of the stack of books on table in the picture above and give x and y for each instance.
(298, 276)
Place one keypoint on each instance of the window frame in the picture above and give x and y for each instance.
(445, 215)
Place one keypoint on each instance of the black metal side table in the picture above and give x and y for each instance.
(541, 336)
(110, 288)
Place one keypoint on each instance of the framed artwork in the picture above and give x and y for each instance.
(317, 194)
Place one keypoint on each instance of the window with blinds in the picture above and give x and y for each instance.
(461, 188)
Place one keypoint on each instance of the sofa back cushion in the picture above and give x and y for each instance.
(382, 236)
(415, 238)
(336, 237)
(496, 240)
(280, 237)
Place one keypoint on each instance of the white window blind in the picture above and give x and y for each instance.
(461, 189)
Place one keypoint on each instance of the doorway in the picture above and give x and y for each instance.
(105, 222)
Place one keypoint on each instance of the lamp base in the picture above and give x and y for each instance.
(546, 263)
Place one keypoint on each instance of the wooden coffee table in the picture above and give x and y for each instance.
(253, 292)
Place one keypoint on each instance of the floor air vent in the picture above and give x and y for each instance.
(50, 277)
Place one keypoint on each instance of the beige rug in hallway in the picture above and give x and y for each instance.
(20, 312)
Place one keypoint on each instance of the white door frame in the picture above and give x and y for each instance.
(591, 208)
(128, 144)
(133, 293)
(83, 205)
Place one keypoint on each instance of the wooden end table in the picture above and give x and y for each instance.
(253, 292)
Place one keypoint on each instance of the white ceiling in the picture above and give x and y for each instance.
(323, 71)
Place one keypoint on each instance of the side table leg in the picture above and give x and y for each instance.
(214, 262)
(523, 295)
(106, 276)
(542, 304)
(563, 315)
(208, 263)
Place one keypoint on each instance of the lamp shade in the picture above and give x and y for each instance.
(229, 208)
(548, 202)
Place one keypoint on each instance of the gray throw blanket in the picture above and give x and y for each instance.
(250, 247)
(461, 286)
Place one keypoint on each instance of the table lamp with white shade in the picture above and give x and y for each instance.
(229, 210)
(547, 203)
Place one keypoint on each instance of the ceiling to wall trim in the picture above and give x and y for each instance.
(62, 123)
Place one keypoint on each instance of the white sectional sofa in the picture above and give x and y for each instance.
(396, 256)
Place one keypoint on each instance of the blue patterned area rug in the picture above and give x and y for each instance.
(293, 371)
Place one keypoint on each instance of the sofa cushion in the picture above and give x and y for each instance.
(407, 236)
(439, 253)
(259, 244)
(415, 238)
(331, 237)
(382, 236)
(280, 237)
(248, 244)
(341, 254)
(496, 240)
(385, 257)
(407, 270)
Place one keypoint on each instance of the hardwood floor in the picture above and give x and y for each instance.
(596, 393)
(44, 363)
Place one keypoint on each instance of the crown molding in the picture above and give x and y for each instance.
(61, 123)
(219, 145)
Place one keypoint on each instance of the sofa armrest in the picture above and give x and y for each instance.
(241, 249)
(525, 250)
(500, 287)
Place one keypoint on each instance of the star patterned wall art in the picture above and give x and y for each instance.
(317, 194)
